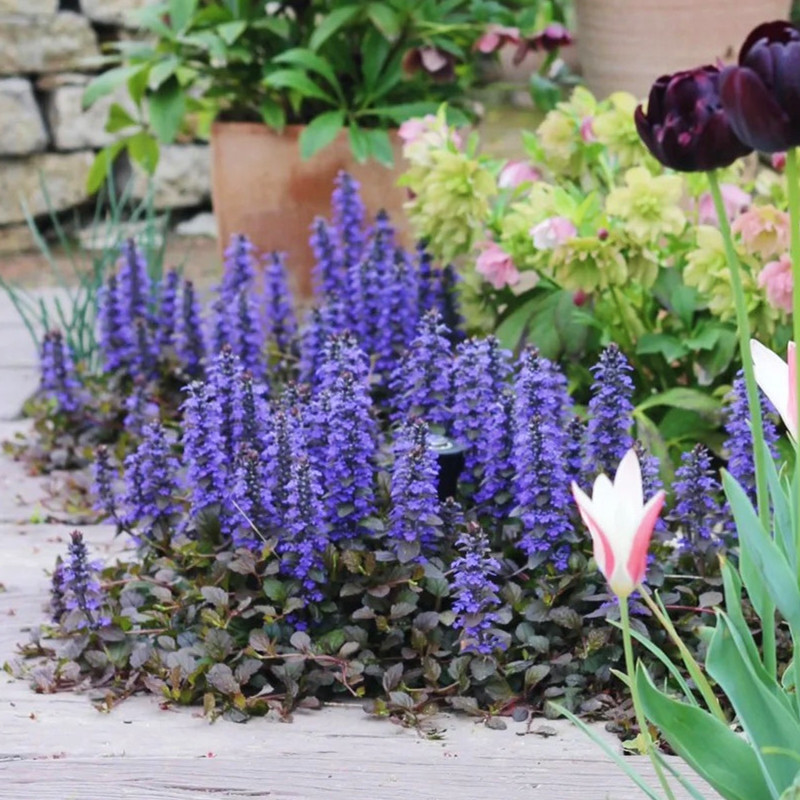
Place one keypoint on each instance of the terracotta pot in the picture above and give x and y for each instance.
(262, 188)
(627, 44)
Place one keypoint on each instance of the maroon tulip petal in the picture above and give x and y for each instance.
(753, 111)
(646, 132)
(777, 31)
(715, 139)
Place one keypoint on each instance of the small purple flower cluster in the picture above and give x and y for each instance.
(697, 515)
(476, 597)
(608, 435)
(739, 444)
(142, 324)
(59, 381)
(151, 486)
(77, 598)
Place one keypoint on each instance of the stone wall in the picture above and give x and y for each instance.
(49, 50)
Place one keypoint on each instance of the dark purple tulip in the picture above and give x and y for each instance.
(685, 127)
(761, 95)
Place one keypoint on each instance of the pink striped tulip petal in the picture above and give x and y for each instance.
(778, 380)
(620, 523)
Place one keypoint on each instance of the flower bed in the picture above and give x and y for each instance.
(369, 503)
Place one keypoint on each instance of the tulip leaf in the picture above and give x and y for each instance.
(770, 569)
(717, 754)
(762, 708)
(782, 512)
(733, 608)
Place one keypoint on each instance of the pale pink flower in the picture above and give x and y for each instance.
(621, 524)
(496, 265)
(515, 173)
(778, 381)
(553, 232)
(735, 199)
(587, 130)
(764, 230)
(778, 161)
(497, 36)
(777, 280)
(413, 129)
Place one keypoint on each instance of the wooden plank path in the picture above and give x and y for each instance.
(58, 747)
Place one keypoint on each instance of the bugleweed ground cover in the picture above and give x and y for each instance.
(365, 502)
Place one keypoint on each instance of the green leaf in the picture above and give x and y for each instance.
(181, 13)
(384, 18)
(668, 346)
(273, 114)
(107, 82)
(329, 25)
(705, 338)
(299, 81)
(359, 143)
(683, 398)
(762, 708)
(320, 132)
(309, 60)
(711, 748)
(402, 111)
(143, 149)
(380, 146)
(118, 119)
(374, 51)
(101, 166)
(771, 570)
(162, 71)
(229, 32)
(167, 109)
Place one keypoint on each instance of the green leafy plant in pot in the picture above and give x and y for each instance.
(336, 77)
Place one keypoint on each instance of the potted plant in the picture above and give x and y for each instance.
(292, 92)
(624, 45)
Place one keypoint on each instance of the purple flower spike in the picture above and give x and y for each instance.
(739, 444)
(330, 272)
(476, 593)
(422, 384)
(608, 435)
(348, 218)
(280, 322)
(81, 593)
(349, 456)
(494, 493)
(190, 345)
(59, 381)
(413, 520)
(304, 546)
(167, 319)
(151, 486)
(697, 512)
(480, 373)
(252, 499)
(239, 268)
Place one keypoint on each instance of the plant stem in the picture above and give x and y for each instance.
(630, 668)
(793, 191)
(754, 403)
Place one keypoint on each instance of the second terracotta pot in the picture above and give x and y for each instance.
(263, 189)
(627, 44)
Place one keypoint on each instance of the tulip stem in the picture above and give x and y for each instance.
(793, 192)
(630, 667)
(754, 404)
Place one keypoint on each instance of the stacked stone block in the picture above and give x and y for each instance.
(49, 51)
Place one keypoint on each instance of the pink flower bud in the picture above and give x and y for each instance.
(777, 280)
(552, 233)
(778, 161)
(515, 173)
(496, 265)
